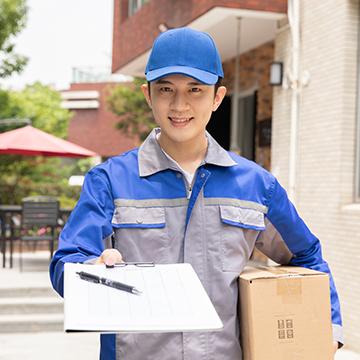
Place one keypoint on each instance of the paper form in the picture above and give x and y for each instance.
(172, 300)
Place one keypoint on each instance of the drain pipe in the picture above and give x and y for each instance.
(294, 22)
(234, 135)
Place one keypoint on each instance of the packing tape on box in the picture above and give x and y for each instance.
(277, 270)
(290, 290)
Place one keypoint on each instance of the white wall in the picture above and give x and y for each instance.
(326, 153)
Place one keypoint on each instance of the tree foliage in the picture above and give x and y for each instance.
(12, 21)
(129, 103)
(22, 176)
(38, 103)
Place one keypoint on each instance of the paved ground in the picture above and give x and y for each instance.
(45, 346)
(60, 346)
(41, 346)
(57, 345)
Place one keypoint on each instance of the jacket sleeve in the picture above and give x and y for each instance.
(87, 228)
(288, 241)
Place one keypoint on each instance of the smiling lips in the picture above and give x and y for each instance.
(180, 121)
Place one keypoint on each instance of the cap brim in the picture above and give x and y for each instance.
(200, 75)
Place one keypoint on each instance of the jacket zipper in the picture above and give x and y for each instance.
(188, 187)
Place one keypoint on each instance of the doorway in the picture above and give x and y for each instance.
(219, 124)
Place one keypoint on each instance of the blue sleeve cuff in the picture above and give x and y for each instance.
(57, 269)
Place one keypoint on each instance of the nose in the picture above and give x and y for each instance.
(179, 103)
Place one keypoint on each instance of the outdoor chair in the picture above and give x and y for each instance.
(39, 220)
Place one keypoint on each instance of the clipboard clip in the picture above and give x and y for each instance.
(134, 263)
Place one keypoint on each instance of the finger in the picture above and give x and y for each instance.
(111, 256)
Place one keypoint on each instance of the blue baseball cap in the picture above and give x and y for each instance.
(185, 51)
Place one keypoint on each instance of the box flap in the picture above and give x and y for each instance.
(266, 272)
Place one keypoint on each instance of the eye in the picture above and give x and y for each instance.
(166, 89)
(195, 90)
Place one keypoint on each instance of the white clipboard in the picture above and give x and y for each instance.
(172, 300)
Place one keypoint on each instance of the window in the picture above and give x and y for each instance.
(246, 125)
(135, 5)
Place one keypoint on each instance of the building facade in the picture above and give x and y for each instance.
(93, 125)
(304, 131)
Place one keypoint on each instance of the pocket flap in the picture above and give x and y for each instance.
(125, 216)
(241, 217)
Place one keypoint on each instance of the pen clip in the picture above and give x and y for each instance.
(134, 263)
(88, 277)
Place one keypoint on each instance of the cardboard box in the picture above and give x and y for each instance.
(285, 314)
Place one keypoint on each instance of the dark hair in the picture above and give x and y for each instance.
(216, 86)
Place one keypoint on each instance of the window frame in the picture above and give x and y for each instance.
(135, 5)
(357, 125)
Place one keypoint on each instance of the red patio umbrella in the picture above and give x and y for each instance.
(31, 141)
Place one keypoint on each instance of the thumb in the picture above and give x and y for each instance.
(109, 257)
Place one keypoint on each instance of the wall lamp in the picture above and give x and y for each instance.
(163, 27)
(276, 73)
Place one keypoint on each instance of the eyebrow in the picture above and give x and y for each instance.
(161, 81)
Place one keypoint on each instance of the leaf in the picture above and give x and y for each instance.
(13, 16)
(128, 102)
(23, 176)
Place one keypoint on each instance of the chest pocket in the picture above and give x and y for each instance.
(140, 233)
(240, 229)
(142, 218)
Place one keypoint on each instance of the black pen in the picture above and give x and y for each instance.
(107, 282)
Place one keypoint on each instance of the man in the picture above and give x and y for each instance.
(180, 197)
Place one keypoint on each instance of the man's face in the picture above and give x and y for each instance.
(182, 106)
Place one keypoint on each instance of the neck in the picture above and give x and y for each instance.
(188, 155)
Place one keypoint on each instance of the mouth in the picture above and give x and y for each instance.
(180, 121)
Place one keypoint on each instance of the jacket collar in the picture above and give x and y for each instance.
(152, 159)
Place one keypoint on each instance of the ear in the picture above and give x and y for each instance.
(146, 91)
(219, 96)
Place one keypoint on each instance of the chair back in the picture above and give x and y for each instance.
(40, 211)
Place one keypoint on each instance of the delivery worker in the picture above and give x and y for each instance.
(181, 197)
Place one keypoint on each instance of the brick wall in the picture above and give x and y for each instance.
(325, 167)
(254, 74)
(134, 35)
(95, 129)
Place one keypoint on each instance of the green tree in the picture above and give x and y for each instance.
(22, 176)
(40, 104)
(129, 103)
(12, 21)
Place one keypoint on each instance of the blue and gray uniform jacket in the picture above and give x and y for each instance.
(139, 200)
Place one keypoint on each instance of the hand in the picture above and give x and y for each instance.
(109, 257)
